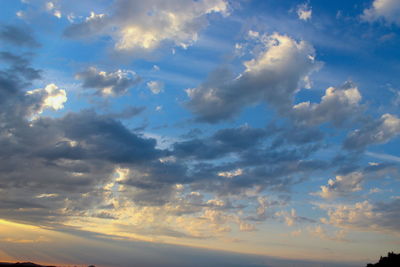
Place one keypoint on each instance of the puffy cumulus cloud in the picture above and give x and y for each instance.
(146, 24)
(365, 216)
(155, 87)
(50, 97)
(338, 105)
(342, 185)
(108, 83)
(388, 10)
(377, 132)
(273, 76)
(304, 12)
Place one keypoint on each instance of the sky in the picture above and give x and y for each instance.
(199, 133)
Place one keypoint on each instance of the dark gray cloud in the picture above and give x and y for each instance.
(275, 176)
(17, 36)
(293, 134)
(19, 72)
(108, 83)
(220, 143)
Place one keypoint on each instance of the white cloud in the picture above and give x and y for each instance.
(155, 87)
(46, 195)
(231, 174)
(146, 24)
(57, 13)
(388, 10)
(50, 97)
(93, 17)
(304, 12)
(52, 8)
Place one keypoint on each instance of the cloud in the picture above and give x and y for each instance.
(19, 71)
(50, 7)
(220, 143)
(304, 12)
(126, 113)
(273, 76)
(365, 216)
(376, 132)
(50, 97)
(108, 83)
(17, 36)
(98, 137)
(347, 184)
(338, 105)
(388, 10)
(155, 87)
(67, 167)
(92, 25)
(343, 185)
(230, 174)
(322, 233)
(145, 25)
(67, 158)
(55, 162)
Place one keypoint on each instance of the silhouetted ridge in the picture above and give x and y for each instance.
(392, 260)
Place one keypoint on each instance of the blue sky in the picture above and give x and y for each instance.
(267, 128)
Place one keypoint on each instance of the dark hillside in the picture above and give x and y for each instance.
(392, 260)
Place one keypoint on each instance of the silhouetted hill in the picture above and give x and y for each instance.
(392, 260)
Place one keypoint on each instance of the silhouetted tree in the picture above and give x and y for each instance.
(392, 260)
